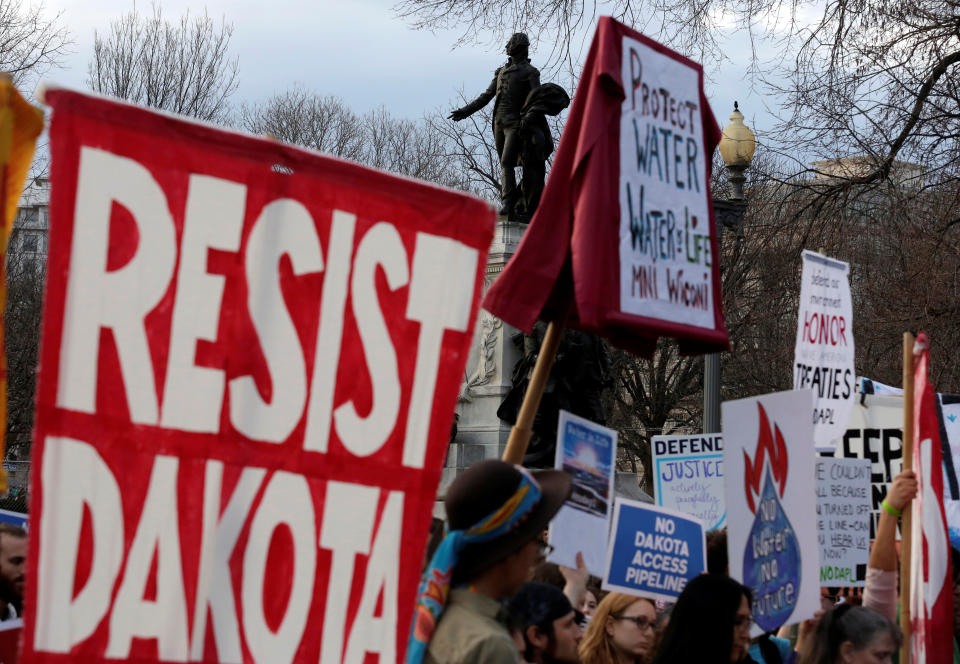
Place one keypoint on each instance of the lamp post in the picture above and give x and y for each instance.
(737, 146)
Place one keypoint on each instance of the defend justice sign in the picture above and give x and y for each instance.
(251, 355)
(666, 248)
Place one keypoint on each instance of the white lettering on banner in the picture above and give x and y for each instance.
(284, 228)
(347, 534)
(86, 481)
(332, 305)
(193, 396)
(65, 619)
(286, 501)
(119, 300)
(165, 618)
(382, 247)
(220, 534)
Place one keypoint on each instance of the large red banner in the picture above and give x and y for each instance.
(250, 358)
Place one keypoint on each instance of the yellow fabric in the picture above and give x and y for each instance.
(20, 124)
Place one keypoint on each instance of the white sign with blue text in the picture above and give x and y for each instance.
(688, 471)
(653, 551)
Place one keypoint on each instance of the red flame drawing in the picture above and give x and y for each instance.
(771, 446)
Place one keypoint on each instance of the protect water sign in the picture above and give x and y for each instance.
(688, 473)
(666, 248)
(653, 551)
(824, 352)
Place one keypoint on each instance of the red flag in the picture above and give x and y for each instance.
(251, 356)
(625, 230)
(931, 579)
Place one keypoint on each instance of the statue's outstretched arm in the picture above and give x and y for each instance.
(478, 103)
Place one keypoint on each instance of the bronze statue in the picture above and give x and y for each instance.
(520, 128)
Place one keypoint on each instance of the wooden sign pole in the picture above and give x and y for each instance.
(522, 431)
(907, 519)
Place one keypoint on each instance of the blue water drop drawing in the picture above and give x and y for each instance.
(771, 560)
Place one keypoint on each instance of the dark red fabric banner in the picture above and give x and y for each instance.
(250, 358)
(624, 237)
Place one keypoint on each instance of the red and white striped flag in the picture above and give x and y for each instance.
(931, 580)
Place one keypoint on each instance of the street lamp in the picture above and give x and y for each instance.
(737, 146)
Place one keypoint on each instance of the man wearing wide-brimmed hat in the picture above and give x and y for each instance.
(497, 513)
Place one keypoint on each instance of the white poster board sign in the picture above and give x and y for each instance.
(771, 516)
(688, 476)
(824, 351)
(843, 520)
(586, 451)
(666, 262)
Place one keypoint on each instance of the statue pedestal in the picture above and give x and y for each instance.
(480, 433)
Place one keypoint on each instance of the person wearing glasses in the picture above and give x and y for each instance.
(710, 623)
(621, 631)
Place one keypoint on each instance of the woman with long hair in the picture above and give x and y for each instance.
(621, 631)
(710, 623)
(853, 635)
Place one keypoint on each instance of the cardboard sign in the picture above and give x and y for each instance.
(824, 352)
(653, 551)
(625, 229)
(771, 517)
(251, 355)
(843, 520)
(588, 453)
(689, 476)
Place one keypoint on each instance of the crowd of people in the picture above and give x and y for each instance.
(488, 595)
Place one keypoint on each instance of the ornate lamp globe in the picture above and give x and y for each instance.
(737, 146)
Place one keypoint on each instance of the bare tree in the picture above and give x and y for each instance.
(322, 123)
(652, 397)
(183, 67)
(377, 138)
(30, 41)
(22, 317)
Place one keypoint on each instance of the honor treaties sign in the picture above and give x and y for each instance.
(251, 355)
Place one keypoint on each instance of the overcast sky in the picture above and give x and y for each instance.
(355, 49)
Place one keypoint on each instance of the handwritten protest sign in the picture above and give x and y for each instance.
(588, 452)
(843, 520)
(689, 476)
(625, 229)
(824, 351)
(653, 551)
(771, 519)
(251, 355)
(666, 248)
